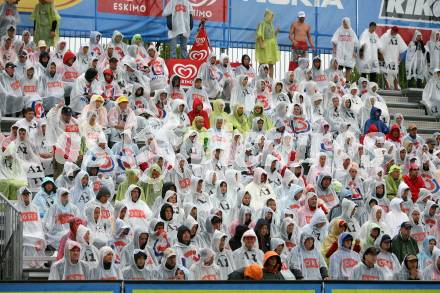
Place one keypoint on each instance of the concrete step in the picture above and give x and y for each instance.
(7, 122)
(418, 117)
(407, 111)
(395, 99)
(434, 125)
(428, 132)
(406, 105)
(390, 93)
(414, 93)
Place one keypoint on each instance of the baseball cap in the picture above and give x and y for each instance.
(395, 28)
(66, 111)
(11, 28)
(406, 225)
(169, 252)
(42, 43)
(301, 14)
(412, 126)
(386, 238)
(26, 190)
(22, 53)
(122, 99)
(10, 65)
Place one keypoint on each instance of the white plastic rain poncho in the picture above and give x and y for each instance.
(223, 255)
(89, 252)
(34, 242)
(177, 123)
(51, 88)
(346, 43)
(187, 253)
(391, 47)
(376, 216)
(260, 191)
(56, 222)
(81, 193)
(343, 260)
(307, 264)
(64, 269)
(211, 76)
(44, 199)
(349, 216)
(67, 179)
(119, 47)
(433, 47)
(419, 230)
(432, 272)
(206, 269)
(138, 212)
(99, 222)
(158, 70)
(364, 273)
(386, 260)
(227, 73)
(242, 94)
(133, 272)
(12, 98)
(290, 233)
(95, 48)
(273, 174)
(319, 233)
(431, 94)
(103, 272)
(180, 11)
(58, 131)
(82, 87)
(395, 217)
(328, 195)
(244, 256)
(369, 42)
(415, 63)
(224, 201)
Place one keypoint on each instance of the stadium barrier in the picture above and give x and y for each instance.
(222, 287)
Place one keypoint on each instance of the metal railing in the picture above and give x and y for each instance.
(11, 241)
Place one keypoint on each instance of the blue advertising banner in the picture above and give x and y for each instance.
(232, 22)
(382, 287)
(224, 287)
(55, 287)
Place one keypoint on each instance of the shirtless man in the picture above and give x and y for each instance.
(299, 34)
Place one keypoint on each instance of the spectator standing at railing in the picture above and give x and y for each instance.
(368, 53)
(266, 47)
(46, 22)
(8, 15)
(299, 34)
(179, 23)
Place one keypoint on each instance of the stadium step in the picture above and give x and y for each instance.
(390, 93)
(417, 117)
(7, 122)
(406, 105)
(395, 99)
(406, 111)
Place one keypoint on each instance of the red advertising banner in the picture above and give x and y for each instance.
(201, 48)
(213, 10)
(186, 69)
(131, 7)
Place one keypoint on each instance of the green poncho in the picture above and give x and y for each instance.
(269, 53)
(152, 187)
(391, 185)
(44, 15)
(267, 121)
(131, 177)
(239, 122)
(218, 110)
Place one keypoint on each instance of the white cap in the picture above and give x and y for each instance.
(301, 14)
(42, 43)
